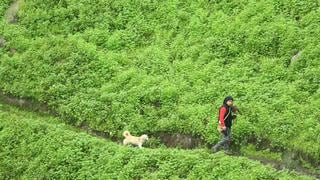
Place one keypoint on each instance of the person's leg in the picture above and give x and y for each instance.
(222, 142)
(228, 139)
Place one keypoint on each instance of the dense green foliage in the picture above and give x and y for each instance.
(40, 147)
(165, 66)
(4, 4)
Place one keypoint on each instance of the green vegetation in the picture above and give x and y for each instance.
(41, 147)
(4, 4)
(265, 154)
(150, 67)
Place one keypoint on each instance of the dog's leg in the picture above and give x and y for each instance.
(125, 142)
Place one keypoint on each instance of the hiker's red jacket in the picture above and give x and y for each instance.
(226, 116)
(222, 114)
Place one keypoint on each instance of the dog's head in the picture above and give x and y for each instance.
(144, 137)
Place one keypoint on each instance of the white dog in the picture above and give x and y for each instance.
(138, 141)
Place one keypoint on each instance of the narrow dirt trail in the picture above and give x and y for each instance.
(11, 13)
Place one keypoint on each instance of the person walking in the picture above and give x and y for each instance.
(226, 116)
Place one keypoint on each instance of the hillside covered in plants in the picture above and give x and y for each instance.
(165, 66)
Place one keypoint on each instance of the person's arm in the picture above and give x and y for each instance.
(222, 113)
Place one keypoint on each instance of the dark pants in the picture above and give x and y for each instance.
(225, 140)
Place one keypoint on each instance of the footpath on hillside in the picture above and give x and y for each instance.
(37, 107)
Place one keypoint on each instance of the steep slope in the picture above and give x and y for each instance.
(166, 66)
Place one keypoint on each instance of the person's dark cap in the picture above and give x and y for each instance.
(227, 99)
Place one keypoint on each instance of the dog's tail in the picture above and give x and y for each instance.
(126, 133)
